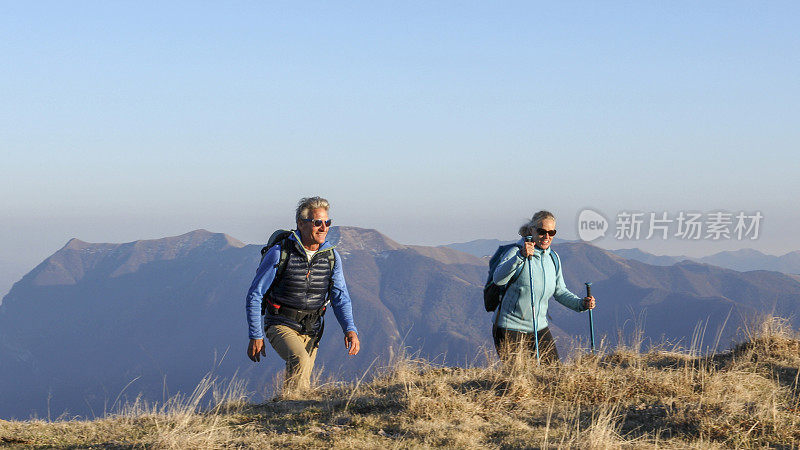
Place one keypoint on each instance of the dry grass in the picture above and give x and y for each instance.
(747, 397)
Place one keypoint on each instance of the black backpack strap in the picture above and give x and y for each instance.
(332, 262)
(280, 268)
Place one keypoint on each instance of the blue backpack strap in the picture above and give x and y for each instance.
(556, 260)
(494, 261)
(517, 273)
(513, 279)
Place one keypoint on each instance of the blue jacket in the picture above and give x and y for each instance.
(516, 309)
(340, 297)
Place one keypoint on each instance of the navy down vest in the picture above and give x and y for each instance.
(304, 285)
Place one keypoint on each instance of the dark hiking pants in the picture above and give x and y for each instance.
(507, 342)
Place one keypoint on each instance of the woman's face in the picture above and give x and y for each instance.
(544, 240)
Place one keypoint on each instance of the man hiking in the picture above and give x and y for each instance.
(297, 278)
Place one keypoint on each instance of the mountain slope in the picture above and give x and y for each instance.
(160, 314)
(168, 309)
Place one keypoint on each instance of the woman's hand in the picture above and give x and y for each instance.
(527, 250)
(588, 302)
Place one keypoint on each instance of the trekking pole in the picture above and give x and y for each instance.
(591, 319)
(533, 307)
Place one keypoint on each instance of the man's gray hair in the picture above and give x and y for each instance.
(308, 204)
(529, 229)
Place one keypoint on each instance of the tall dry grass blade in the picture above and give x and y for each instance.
(358, 383)
(121, 392)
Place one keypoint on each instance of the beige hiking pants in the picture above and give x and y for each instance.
(299, 353)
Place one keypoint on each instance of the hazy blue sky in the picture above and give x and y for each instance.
(434, 122)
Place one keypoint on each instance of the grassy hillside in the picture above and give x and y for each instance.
(746, 397)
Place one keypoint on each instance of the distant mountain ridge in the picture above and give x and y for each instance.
(741, 260)
(77, 258)
(486, 247)
(92, 317)
(479, 247)
(749, 259)
(648, 258)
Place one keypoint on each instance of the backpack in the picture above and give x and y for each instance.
(492, 293)
(282, 237)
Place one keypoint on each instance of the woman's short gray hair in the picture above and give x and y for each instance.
(308, 204)
(529, 229)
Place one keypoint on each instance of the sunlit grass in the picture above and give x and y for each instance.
(746, 397)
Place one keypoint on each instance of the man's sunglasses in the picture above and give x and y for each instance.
(318, 222)
(542, 232)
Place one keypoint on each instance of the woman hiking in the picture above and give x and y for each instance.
(522, 313)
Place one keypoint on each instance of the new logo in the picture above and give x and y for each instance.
(591, 225)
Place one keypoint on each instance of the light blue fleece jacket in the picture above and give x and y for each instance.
(516, 309)
(340, 297)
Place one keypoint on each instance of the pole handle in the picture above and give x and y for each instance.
(529, 239)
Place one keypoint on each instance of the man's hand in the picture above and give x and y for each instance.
(351, 343)
(588, 302)
(256, 349)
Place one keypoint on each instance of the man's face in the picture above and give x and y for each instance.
(311, 234)
(544, 240)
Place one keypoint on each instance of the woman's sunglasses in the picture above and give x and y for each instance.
(542, 232)
(318, 222)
